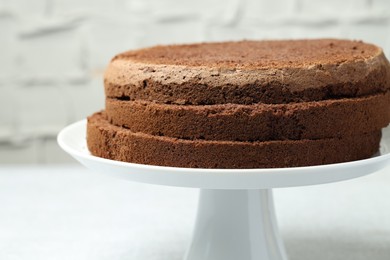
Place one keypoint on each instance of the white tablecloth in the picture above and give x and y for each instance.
(68, 212)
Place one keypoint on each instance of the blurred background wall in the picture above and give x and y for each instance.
(53, 52)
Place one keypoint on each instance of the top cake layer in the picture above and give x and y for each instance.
(247, 72)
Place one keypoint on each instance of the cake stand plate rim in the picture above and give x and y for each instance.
(72, 139)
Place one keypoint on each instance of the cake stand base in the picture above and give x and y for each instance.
(236, 224)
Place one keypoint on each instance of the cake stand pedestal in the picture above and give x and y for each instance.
(235, 224)
(236, 217)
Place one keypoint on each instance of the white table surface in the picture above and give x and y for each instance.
(68, 212)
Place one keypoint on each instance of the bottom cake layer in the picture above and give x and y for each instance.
(116, 143)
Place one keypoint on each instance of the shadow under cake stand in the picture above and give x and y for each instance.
(236, 217)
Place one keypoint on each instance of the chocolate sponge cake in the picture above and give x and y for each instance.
(247, 104)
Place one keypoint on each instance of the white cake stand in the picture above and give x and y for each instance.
(236, 218)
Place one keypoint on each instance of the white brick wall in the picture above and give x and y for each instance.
(53, 52)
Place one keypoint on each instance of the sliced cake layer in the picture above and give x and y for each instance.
(112, 142)
(258, 122)
(247, 72)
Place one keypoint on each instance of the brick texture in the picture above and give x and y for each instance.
(53, 52)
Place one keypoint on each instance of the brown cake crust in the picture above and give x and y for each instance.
(258, 122)
(112, 142)
(249, 72)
